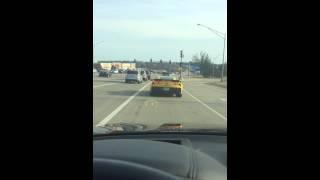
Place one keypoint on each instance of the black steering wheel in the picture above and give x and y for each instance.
(104, 169)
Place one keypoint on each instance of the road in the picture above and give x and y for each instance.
(201, 106)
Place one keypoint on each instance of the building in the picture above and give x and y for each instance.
(117, 64)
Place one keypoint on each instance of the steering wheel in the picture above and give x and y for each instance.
(104, 169)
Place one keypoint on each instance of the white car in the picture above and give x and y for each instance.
(133, 76)
(115, 71)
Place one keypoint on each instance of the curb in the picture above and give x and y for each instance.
(217, 84)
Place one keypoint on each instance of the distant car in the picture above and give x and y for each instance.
(165, 74)
(104, 73)
(166, 85)
(133, 76)
(115, 71)
(121, 71)
(148, 75)
(144, 75)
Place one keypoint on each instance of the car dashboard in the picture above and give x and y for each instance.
(180, 155)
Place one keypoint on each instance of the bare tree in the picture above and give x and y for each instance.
(204, 61)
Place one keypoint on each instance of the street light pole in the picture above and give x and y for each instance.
(223, 36)
(222, 68)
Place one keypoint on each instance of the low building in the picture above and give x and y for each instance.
(117, 65)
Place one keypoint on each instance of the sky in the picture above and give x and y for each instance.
(157, 29)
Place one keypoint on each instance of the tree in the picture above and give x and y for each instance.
(195, 59)
(204, 61)
(97, 66)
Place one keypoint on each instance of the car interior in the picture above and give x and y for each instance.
(200, 156)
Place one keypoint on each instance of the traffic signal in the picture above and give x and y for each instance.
(170, 62)
(151, 60)
(181, 54)
(161, 61)
(134, 60)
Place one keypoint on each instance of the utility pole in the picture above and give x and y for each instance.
(189, 70)
(181, 56)
(212, 69)
(224, 45)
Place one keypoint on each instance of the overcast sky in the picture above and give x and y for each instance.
(157, 29)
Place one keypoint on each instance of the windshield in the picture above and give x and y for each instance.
(166, 78)
(182, 43)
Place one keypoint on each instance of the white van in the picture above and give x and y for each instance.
(133, 76)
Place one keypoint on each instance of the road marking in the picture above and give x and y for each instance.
(119, 108)
(103, 85)
(223, 99)
(205, 105)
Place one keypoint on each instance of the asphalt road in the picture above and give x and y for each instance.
(201, 105)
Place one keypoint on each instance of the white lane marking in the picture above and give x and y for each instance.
(220, 115)
(223, 99)
(103, 85)
(119, 108)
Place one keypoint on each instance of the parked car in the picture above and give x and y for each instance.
(115, 71)
(105, 73)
